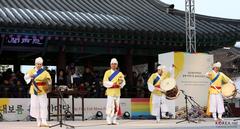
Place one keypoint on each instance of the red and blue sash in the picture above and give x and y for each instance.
(215, 78)
(36, 89)
(114, 74)
(156, 80)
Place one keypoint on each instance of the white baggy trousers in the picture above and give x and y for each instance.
(157, 103)
(216, 103)
(112, 103)
(38, 107)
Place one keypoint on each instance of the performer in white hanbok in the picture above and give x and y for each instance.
(40, 81)
(158, 98)
(215, 99)
(237, 83)
(113, 80)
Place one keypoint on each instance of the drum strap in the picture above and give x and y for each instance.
(35, 86)
(214, 79)
(156, 80)
(113, 75)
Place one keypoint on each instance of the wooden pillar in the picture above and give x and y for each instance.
(16, 67)
(88, 64)
(1, 43)
(151, 64)
(61, 59)
(129, 65)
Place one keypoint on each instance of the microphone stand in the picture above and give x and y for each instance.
(187, 115)
(60, 107)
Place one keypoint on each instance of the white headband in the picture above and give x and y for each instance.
(218, 65)
(114, 61)
(39, 60)
(162, 67)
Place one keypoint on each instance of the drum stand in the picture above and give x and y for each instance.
(196, 104)
(239, 100)
(187, 115)
(60, 107)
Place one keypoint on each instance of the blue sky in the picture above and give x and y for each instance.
(218, 8)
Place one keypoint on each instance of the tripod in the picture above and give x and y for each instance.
(187, 115)
(60, 107)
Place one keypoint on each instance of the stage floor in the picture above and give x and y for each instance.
(128, 124)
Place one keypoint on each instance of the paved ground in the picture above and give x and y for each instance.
(128, 124)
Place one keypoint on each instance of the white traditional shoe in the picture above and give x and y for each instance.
(115, 123)
(158, 120)
(109, 123)
(109, 120)
(44, 124)
(220, 119)
(39, 124)
(165, 117)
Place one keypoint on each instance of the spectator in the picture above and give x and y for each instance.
(20, 90)
(6, 89)
(81, 87)
(1, 78)
(101, 90)
(70, 76)
(13, 85)
(62, 78)
(88, 76)
(134, 78)
(140, 81)
(93, 91)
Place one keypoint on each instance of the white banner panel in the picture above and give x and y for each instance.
(189, 72)
(18, 108)
(14, 109)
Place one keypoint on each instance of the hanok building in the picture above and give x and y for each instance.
(230, 59)
(91, 32)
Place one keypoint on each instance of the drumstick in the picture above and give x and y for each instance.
(174, 66)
